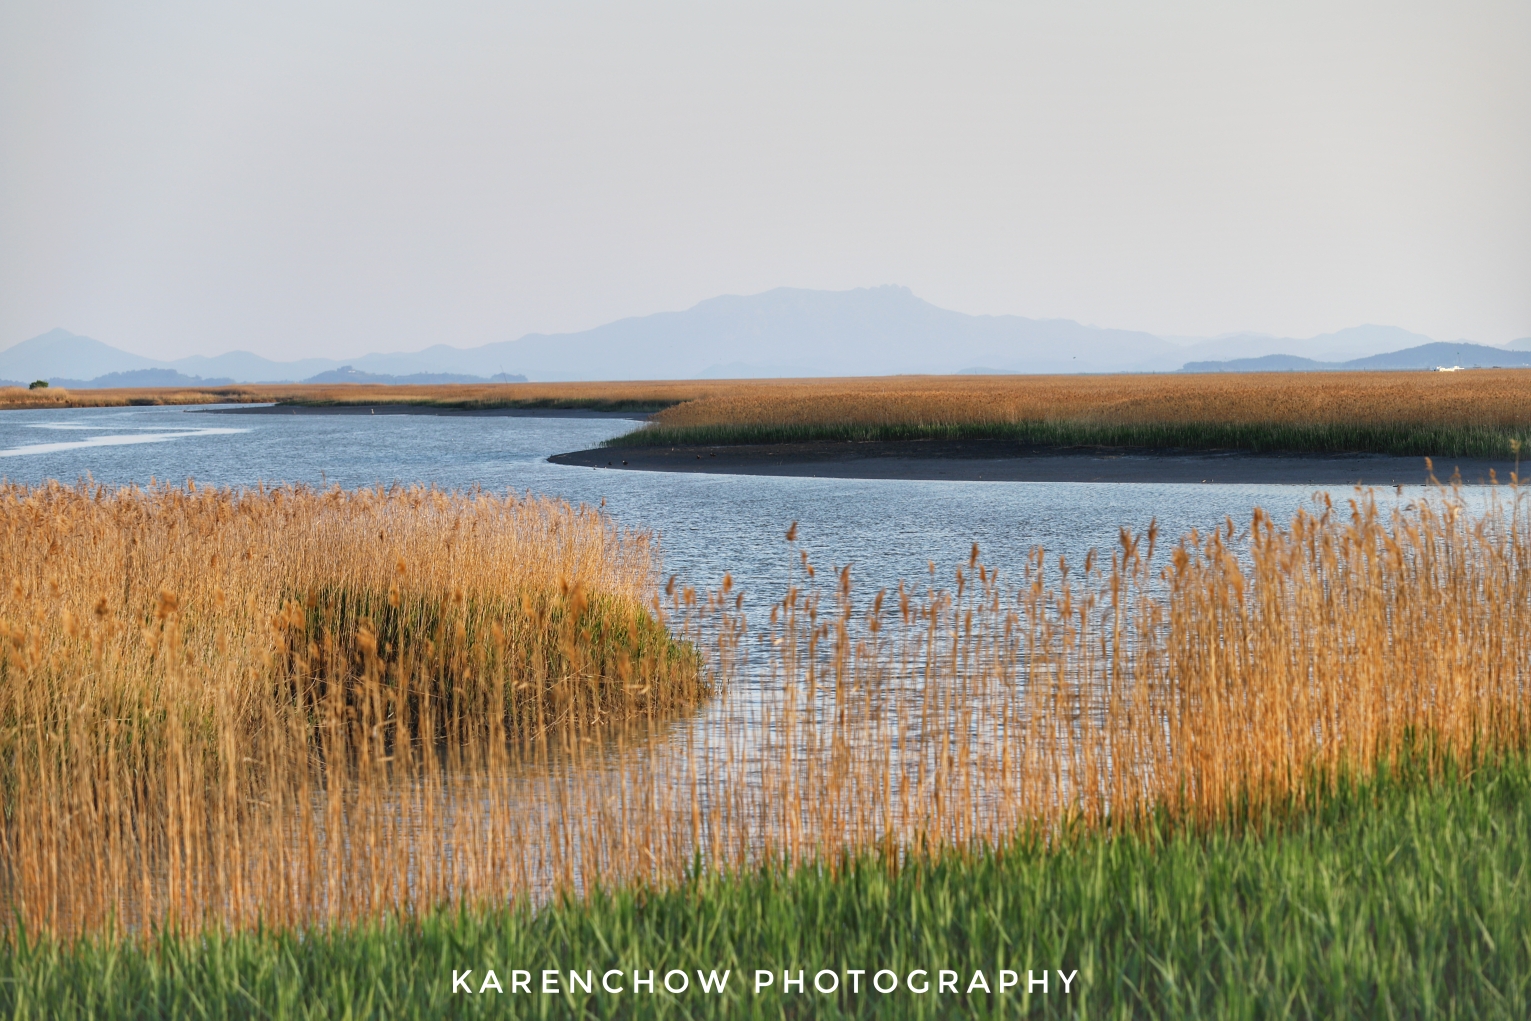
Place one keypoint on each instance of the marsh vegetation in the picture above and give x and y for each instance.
(1482, 413)
(384, 717)
(222, 707)
(1477, 414)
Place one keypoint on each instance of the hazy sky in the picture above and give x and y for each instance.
(333, 178)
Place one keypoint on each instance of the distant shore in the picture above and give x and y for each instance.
(418, 409)
(1003, 461)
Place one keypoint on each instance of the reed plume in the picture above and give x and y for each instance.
(297, 707)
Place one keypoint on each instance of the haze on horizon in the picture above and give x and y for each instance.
(332, 178)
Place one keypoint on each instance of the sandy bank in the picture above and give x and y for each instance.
(1002, 461)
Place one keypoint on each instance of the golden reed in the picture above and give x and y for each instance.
(247, 747)
(208, 698)
(1491, 399)
(1494, 399)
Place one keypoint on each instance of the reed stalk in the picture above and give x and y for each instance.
(294, 708)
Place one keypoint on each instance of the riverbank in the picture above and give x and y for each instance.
(420, 409)
(1005, 461)
(638, 398)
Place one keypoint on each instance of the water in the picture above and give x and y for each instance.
(707, 524)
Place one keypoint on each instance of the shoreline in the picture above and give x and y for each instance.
(1006, 461)
(417, 409)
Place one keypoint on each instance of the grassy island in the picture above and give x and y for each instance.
(1468, 414)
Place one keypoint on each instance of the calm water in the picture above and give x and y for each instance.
(707, 524)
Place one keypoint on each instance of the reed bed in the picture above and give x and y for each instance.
(1479, 413)
(1473, 414)
(1208, 682)
(1400, 895)
(205, 694)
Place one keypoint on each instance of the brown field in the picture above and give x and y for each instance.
(293, 707)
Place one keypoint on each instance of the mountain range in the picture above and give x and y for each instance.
(1435, 354)
(783, 332)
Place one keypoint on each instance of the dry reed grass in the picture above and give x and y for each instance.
(1237, 668)
(186, 672)
(1500, 398)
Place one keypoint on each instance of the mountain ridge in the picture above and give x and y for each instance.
(1436, 354)
(785, 331)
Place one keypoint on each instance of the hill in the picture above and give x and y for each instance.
(138, 378)
(783, 332)
(1424, 356)
(347, 374)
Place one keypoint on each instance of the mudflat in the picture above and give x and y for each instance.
(1007, 461)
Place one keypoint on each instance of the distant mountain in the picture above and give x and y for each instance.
(870, 331)
(1268, 363)
(876, 330)
(1342, 345)
(347, 374)
(783, 332)
(1428, 356)
(138, 378)
(1424, 356)
(61, 353)
(252, 368)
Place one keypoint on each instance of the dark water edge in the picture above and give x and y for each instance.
(1006, 461)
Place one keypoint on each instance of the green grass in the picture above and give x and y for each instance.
(1403, 440)
(1395, 898)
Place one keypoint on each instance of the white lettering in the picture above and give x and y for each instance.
(979, 982)
(606, 981)
(713, 984)
(1067, 980)
(1032, 982)
(584, 983)
(946, 984)
(643, 981)
(763, 979)
(909, 981)
(491, 980)
(833, 977)
(787, 980)
(461, 981)
(685, 982)
(880, 974)
(520, 981)
(855, 974)
(1008, 979)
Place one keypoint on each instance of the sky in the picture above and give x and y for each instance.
(332, 178)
